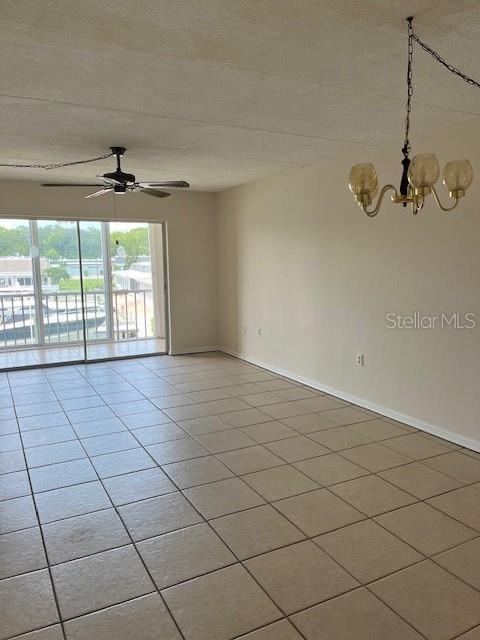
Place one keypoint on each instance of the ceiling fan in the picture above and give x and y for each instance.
(119, 182)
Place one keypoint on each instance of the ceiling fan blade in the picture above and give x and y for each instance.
(90, 184)
(109, 181)
(174, 184)
(100, 193)
(152, 192)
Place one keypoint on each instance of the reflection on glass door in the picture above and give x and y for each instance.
(73, 291)
(133, 288)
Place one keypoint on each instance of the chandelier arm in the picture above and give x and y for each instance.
(440, 205)
(376, 209)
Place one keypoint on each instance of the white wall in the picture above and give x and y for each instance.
(191, 231)
(299, 259)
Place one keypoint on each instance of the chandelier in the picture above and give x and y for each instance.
(420, 174)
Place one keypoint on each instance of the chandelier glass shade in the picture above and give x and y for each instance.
(421, 173)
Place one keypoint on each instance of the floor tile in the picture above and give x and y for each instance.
(346, 415)
(43, 421)
(356, 615)
(197, 426)
(426, 529)
(297, 448)
(318, 511)
(90, 414)
(84, 535)
(281, 410)
(53, 453)
(457, 465)
(281, 630)
(226, 405)
(338, 438)
(416, 446)
(197, 471)
(375, 457)
(184, 554)
(62, 474)
(187, 412)
(38, 409)
(16, 514)
(141, 618)
(27, 603)
(128, 408)
(299, 576)
(330, 469)
(155, 516)
(138, 485)
(83, 402)
(12, 461)
(221, 605)
(474, 634)
(21, 552)
(223, 497)
(51, 435)
(379, 429)
(8, 426)
(262, 398)
(463, 561)
(159, 433)
(71, 501)
(177, 400)
(309, 423)
(322, 403)
(177, 451)
(462, 504)
(225, 440)
(372, 495)
(146, 419)
(420, 480)
(269, 431)
(279, 482)
(255, 531)
(249, 460)
(109, 443)
(99, 581)
(246, 417)
(53, 632)
(436, 603)
(14, 485)
(115, 464)
(367, 551)
(99, 427)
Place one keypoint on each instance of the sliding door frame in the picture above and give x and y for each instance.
(160, 287)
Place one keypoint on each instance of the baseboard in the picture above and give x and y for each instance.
(183, 352)
(469, 443)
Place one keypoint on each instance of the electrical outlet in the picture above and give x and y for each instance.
(259, 331)
(360, 359)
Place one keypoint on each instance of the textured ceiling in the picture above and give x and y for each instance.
(221, 92)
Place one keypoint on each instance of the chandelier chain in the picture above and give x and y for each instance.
(439, 59)
(406, 145)
(57, 165)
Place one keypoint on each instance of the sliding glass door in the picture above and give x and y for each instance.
(77, 291)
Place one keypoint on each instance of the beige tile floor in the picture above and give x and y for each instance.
(202, 498)
(56, 354)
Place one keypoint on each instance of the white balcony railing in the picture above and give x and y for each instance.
(60, 317)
